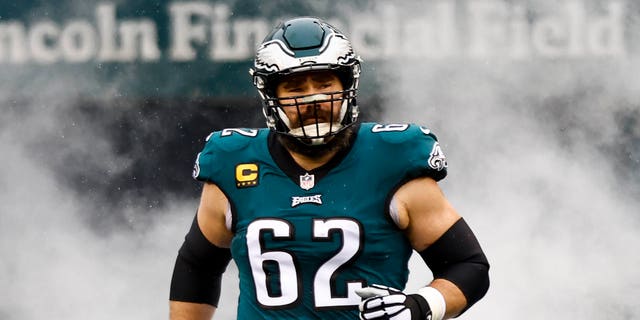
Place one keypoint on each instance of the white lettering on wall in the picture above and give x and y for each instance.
(79, 41)
(128, 40)
(43, 44)
(470, 29)
(239, 41)
(227, 40)
(499, 29)
(486, 27)
(188, 26)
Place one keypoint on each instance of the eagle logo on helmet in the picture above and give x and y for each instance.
(274, 56)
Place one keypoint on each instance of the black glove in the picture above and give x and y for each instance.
(385, 303)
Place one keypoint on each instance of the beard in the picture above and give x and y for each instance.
(337, 142)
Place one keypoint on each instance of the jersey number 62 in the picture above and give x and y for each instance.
(290, 290)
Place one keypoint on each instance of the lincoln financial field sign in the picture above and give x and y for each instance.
(478, 29)
(204, 48)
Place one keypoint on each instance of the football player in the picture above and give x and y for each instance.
(321, 213)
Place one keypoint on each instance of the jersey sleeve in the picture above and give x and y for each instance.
(424, 154)
(408, 151)
(205, 164)
(216, 162)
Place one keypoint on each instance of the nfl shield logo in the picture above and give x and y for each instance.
(307, 181)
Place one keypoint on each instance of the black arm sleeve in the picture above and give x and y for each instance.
(456, 256)
(198, 270)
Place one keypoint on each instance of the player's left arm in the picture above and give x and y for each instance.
(444, 241)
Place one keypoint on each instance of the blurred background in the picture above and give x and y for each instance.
(104, 105)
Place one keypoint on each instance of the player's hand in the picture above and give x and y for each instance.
(385, 303)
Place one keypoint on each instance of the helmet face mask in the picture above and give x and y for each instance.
(313, 117)
(301, 46)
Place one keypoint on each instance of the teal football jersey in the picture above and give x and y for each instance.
(305, 241)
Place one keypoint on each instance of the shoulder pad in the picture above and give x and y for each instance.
(416, 145)
(401, 132)
(218, 145)
(231, 139)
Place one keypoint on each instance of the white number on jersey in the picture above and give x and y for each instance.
(244, 132)
(257, 256)
(389, 127)
(289, 289)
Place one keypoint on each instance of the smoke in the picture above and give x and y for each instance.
(543, 154)
(534, 150)
(54, 265)
(538, 183)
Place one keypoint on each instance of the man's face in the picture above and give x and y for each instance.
(303, 111)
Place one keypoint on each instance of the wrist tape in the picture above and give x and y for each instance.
(435, 300)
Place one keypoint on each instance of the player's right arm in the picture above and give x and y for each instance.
(196, 282)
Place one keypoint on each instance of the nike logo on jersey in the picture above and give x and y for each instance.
(315, 199)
